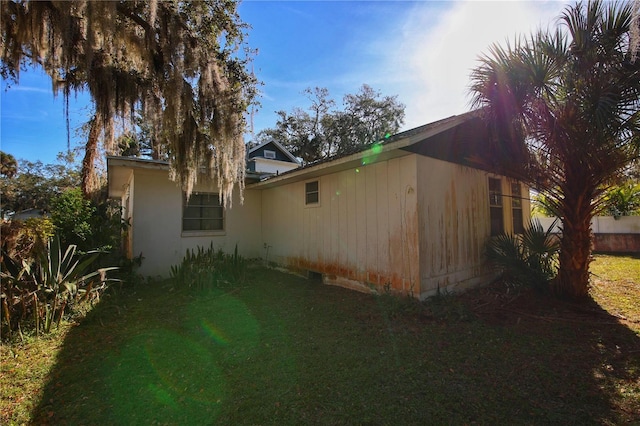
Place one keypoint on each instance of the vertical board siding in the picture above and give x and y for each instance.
(361, 223)
(371, 234)
(454, 224)
(382, 214)
(409, 229)
(358, 233)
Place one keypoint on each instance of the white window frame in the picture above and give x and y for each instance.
(271, 155)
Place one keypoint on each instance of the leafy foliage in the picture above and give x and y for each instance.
(181, 64)
(43, 290)
(542, 207)
(35, 184)
(72, 216)
(203, 269)
(564, 107)
(23, 240)
(623, 200)
(8, 165)
(322, 132)
(529, 259)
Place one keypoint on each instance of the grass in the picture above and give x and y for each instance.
(616, 284)
(278, 349)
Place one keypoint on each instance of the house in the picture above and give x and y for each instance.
(27, 214)
(410, 214)
(270, 158)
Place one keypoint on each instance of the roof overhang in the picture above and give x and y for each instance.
(468, 144)
(284, 150)
(461, 139)
(120, 170)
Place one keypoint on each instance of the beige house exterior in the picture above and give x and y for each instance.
(393, 217)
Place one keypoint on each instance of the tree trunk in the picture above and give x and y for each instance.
(575, 246)
(90, 184)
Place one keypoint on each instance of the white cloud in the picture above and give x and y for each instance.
(437, 48)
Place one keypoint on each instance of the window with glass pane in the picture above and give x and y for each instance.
(516, 208)
(312, 195)
(495, 206)
(202, 212)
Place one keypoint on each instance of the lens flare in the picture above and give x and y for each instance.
(216, 334)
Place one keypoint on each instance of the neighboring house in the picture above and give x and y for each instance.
(27, 214)
(410, 215)
(270, 158)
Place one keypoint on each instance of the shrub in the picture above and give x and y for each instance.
(529, 259)
(23, 239)
(72, 215)
(40, 293)
(206, 268)
(623, 200)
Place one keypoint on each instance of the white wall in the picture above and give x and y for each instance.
(157, 223)
(362, 231)
(602, 224)
(266, 165)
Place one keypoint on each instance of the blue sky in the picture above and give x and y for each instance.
(421, 51)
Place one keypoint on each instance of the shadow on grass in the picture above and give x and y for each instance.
(281, 350)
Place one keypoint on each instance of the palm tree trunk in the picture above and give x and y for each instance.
(88, 174)
(575, 245)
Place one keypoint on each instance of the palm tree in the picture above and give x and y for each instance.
(8, 165)
(565, 104)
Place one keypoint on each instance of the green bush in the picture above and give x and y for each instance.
(23, 240)
(529, 259)
(38, 294)
(208, 268)
(623, 200)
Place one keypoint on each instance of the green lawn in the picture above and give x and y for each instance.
(278, 349)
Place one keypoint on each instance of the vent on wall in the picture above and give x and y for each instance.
(269, 154)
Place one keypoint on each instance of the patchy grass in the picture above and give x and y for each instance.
(282, 350)
(616, 286)
(24, 370)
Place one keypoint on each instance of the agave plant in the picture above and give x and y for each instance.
(43, 289)
(530, 258)
(61, 277)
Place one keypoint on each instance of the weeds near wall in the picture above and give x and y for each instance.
(206, 268)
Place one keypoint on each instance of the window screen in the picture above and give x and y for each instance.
(495, 206)
(516, 208)
(202, 212)
(312, 195)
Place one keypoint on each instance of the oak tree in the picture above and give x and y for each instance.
(181, 64)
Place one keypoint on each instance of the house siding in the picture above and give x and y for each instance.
(264, 165)
(280, 156)
(157, 224)
(454, 224)
(361, 234)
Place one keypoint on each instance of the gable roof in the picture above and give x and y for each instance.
(277, 145)
(461, 139)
